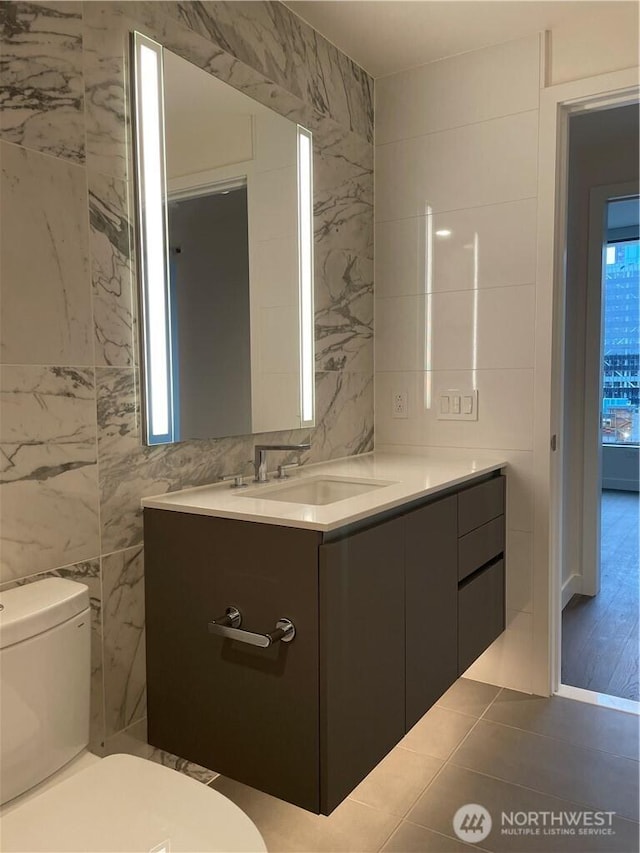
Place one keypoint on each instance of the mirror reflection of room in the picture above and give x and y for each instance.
(232, 223)
(233, 275)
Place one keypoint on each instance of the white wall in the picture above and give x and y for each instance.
(593, 44)
(457, 149)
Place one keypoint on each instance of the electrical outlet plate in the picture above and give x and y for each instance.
(399, 405)
(457, 404)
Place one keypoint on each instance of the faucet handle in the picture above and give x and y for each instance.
(282, 470)
(238, 480)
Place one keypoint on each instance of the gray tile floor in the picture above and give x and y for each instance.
(506, 751)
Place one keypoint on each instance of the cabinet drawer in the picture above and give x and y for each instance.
(480, 504)
(480, 613)
(480, 546)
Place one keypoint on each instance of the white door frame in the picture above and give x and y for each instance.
(556, 103)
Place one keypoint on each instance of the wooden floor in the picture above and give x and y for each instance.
(600, 633)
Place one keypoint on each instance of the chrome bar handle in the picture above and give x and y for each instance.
(228, 626)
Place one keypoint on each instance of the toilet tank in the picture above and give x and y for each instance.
(45, 672)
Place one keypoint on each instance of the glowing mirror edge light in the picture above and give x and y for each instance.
(152, 226)
(305, 260)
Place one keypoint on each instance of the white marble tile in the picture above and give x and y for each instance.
(123, 637)
(114, 298)
(343, 226)
(106, 46)
(87, 573)
(344, 331)
(344, 407)
(129, 470)
(472, 87)
(42, 103)
(48, 469)
(519, 570)
(44, 262)
(271, 39)
(486, 329)
(478, 164)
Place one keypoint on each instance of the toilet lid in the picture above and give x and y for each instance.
(125, 803)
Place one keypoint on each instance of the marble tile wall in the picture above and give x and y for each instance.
(73, 468)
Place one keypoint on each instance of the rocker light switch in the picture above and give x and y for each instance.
(457, 404)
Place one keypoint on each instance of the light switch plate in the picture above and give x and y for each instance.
(457, 404)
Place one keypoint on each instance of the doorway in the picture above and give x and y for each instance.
(601, 430)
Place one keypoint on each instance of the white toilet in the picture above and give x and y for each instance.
(58, 797)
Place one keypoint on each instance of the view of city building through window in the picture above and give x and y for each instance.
(621, 344)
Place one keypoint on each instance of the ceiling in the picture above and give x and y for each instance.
(387, 36)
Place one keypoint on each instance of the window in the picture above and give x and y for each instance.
(621, 345)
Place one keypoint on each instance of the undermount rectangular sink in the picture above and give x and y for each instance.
(316, 491)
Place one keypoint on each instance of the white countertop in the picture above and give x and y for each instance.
(412, 477)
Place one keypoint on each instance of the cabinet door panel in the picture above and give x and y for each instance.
(481, 612)
(249, 713)
(361, 656)
(432, 605)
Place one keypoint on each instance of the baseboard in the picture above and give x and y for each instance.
(619, 484)
(602, 699)
(571, 587)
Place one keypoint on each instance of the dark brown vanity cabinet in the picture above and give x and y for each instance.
(362, 650)
(431, 610)
(249, 713)
(383, 624)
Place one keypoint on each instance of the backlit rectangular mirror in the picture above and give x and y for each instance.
(224, 191)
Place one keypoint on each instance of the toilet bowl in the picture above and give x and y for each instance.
(118, 803)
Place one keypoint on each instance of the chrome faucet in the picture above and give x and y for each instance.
(260, 459)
